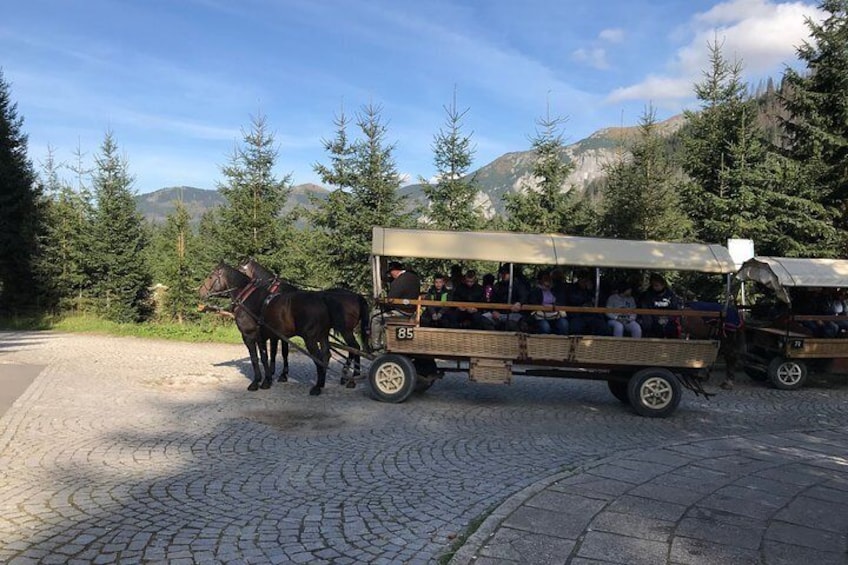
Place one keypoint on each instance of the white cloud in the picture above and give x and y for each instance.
(612, 35)
(594, 57)
(762, 34)
(654, 88)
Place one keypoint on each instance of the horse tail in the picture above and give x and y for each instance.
(336, 312)
(364, 323)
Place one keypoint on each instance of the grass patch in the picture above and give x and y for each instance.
(460, 540)
(210, 329)
(26, 323)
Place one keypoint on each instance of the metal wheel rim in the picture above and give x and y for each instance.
(656, 393)
(789, 374)
(389, 378)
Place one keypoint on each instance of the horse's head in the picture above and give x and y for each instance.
(253, 269)
(222, 281)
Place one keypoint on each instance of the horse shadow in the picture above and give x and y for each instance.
(244, 366)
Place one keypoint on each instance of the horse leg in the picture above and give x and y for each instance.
(731, 358)
(352, 359)
(272, 360)
(284, 351)
(321, 351)
(251, 345)
(263, 354)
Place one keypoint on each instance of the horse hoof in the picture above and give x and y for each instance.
(253, 386)
(350, 384)
(315, 390)
(726, 385)
(265, 385)
(282, 379)
(343, 381)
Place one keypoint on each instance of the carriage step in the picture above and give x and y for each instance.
(493, 371)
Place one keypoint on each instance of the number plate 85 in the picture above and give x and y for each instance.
(404, 333)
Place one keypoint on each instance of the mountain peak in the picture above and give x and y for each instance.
(508, 173)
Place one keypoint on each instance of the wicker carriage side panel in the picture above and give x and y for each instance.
(490, 371)
(694, 354)
(821, 348)
(550, 347)
(684, 353)
(455, 343)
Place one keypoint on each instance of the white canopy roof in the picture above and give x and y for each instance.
(551, 249)
(777, 272)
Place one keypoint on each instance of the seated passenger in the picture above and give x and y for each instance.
(432, 315)
(512, 319)
(582, 293)
(454, 278)
(488, 286)
(468, 316)
(659, 296)
(403, 284)
(547, 322)
(838, 306)
(622, 297)
(814, 303)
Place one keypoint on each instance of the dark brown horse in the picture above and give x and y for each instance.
(726, 329)
(274, 286)
(298, 313)
(348, 310)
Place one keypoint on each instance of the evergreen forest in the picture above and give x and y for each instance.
(767, 163)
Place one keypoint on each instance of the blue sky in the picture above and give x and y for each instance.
(177, 80)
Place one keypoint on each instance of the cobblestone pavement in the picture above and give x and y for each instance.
(127, 450)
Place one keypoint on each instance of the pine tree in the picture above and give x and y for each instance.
(453, 195)
(366, 184)
(122, 275)
(543, 206)
(724, 117)
(817, 128)
(62, 261)
(640, 198)
(81, 248)
(797, 225)
(178, 245)
(21, 216)
(251, 220)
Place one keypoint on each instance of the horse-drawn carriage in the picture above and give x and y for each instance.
(782, 344)
(647, 373)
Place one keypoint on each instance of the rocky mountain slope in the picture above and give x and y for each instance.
(508, 173)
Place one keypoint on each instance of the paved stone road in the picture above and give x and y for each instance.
(130, 450)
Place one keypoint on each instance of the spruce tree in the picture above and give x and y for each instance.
(817, 127)
(543, 205)
(640, 198)
(62, 262)
(366, 184)
(252, 224)
(453, 196)
(20, 212)
(178, 248)
(122, 276)
(81, 200)
(714, 143)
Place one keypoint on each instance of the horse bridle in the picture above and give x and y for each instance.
(219, 277)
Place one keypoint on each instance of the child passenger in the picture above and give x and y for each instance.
(432, 315)
(621, 323)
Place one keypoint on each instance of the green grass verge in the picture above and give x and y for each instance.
(209, 328)
(460, 540)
